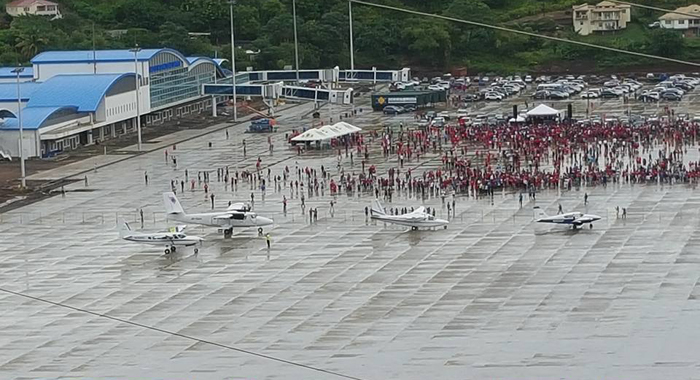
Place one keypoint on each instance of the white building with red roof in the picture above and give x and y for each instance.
(33, 7)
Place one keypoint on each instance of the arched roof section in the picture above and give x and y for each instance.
(83, 91)
(34, 118)
(195, 61)
(87, 56)
(6, 114)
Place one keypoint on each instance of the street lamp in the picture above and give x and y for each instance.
(296, 41)
(352, 57)
(18, 71)
(233, 64)
(136, 51)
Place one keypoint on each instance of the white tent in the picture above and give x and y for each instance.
(333, 131)
(313, 135)
(518, 119)
(542, 111)
(347, 126)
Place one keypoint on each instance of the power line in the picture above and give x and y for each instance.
(509, 30)
(173, 333)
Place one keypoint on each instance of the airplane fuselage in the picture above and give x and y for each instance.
(426, 223)
(222, 219)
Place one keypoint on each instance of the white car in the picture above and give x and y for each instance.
(462, 112)
(493, 96)
(435, 87)
(590, 95)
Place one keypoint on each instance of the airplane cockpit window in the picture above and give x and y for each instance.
(430, 217)
(252, 216)
(238, 216)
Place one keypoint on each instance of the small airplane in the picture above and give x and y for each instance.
(237, 215)
(415, 219)
(170, 239)
(574, 219)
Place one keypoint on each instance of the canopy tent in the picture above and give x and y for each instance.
(327, 132)
(312, 135)
(542, 111)
(347, 126)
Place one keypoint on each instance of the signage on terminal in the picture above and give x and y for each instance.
(164, 66)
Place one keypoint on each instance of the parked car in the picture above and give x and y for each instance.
(609, 93)
(668, 95)
(493, 96)
(471, 98)
(540, 95)
(393, 110)
(409, 108)
(590, 95)
(559, 95)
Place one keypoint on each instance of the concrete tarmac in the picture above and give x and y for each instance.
(492, 296)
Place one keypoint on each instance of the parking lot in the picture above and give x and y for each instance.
(492, 296)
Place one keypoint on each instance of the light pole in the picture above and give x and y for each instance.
(296, 41)
(352, 56)
(233, 64)
(21, 129)
(136, 51)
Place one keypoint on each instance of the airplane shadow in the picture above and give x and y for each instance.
(564, 232)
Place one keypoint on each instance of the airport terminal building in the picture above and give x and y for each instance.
(73, 98)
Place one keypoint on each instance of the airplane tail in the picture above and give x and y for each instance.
(377, 208)
(124, 228)
(539, 213)
(172, 205)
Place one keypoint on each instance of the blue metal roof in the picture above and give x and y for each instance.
(33, 117)
(87, 56)
(84, 91)
(8, 91)
(6, 72)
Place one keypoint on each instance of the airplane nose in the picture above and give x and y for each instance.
(262, 221)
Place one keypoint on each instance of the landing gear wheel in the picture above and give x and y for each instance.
(445, 227)
(173, 249)
(228, 232)
(167, 251)
(414, 228)
(196, 251)
(590, 226)
(260, 231)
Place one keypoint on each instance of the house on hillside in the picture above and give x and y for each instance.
(33, 7)
(605, 16)
(687, 20)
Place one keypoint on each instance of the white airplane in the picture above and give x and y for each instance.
(237, 215)
(414, 219)
(170, 239)
(574, 219)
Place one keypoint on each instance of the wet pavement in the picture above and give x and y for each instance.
(492, 296)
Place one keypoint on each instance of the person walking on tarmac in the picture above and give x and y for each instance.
(268, 239)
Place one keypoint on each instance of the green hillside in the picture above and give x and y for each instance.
(382, 38)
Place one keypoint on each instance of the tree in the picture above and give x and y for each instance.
(667, 43)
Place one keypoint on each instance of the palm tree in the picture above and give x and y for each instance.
(29, 43)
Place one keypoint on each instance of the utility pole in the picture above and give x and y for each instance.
(296, 41)
(233, 64)
(136, 51)
(352, 50)
(18, 71)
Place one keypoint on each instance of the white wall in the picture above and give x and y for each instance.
(9, 143)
